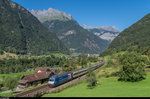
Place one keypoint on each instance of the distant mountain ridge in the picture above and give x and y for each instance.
(107, 28)
(105, 32)
(22, 33)
(75, 37)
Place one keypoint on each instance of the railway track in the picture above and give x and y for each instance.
(46, 89)
(31, 91)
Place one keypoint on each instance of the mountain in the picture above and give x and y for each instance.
(75, 37)
(135, 38)
(22, 33)
(51, 14)
(106, 32)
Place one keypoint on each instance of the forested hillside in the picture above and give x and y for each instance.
(22, 33)
(134, 38)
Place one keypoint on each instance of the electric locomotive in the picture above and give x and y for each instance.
(59, 79)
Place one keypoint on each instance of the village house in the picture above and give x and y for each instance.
(40, 76)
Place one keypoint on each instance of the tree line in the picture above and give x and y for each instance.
(13, 65)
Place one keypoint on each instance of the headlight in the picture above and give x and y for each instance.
(50, 82)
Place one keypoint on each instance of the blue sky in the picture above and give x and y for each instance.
(96, 13)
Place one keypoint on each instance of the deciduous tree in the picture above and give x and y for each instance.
(133, 67)
(91, 79)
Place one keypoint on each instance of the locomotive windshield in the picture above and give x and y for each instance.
(51, 79)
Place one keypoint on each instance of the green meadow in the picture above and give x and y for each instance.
(15, 74)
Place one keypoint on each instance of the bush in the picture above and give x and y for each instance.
(133, 67)
(91, 79)
(11, 83)
(114, 74)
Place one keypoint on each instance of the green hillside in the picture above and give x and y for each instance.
(134, 38)
(22, 33)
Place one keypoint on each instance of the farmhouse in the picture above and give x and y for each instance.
(40, 76)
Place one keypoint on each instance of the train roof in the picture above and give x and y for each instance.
(83, 68)
(58, 75)
(86, 67)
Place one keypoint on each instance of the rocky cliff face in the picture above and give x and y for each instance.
(106, 32)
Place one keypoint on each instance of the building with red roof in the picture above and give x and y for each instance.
(40, 76)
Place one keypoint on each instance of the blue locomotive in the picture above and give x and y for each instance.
(59, 79)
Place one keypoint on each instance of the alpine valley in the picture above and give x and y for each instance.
(77, 38)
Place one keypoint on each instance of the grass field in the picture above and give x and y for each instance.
(6, 94)
(6, 55)
(55, 54)
(108, 87)
(4, 76)
(10, 94)
(15, 74)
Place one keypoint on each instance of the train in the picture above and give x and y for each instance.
(59, 79)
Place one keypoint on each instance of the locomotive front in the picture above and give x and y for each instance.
(51, 81)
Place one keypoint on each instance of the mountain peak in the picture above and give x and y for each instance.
(50, 14)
